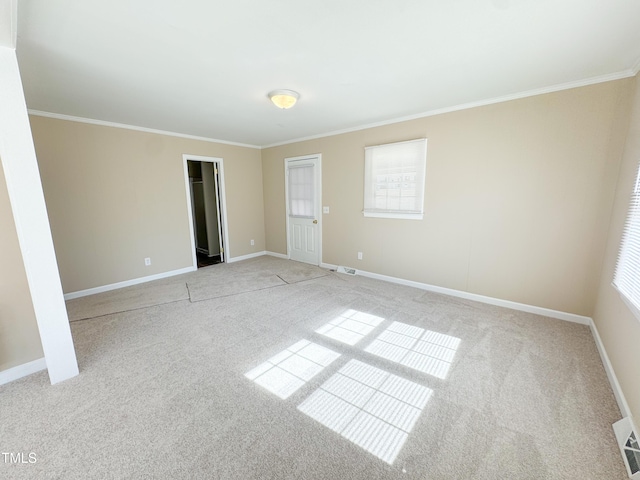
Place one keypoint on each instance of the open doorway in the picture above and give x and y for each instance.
(205, 191)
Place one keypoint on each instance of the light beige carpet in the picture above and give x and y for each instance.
(301, 272)
(209, 288)
(122, 300)
(335, 377)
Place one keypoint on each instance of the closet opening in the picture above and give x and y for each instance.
(206, 207)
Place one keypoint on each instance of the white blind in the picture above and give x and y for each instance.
(394, 179)
(627, 275)
(301, 190)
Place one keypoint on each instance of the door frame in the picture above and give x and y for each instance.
(318, 177)
(222, 200)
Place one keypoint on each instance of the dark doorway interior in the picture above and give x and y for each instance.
(205, 260)
(206, 210)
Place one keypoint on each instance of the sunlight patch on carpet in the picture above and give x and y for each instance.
(372, 408)
(284, 373)
(350, 326)
(426, 351)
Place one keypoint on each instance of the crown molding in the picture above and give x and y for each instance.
(103, 123)
(464, 106)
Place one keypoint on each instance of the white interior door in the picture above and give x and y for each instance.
(303, 209)
(211, 202)
(216, 173)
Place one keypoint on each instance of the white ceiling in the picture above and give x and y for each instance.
(204, 67)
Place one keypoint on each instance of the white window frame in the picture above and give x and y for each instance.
(626, 278)
(370, 182)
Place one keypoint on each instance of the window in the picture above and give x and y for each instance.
(627, 276)
(394, 179)
(301, 191)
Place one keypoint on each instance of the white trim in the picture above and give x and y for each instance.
(23, 370)
(223, 199)
(192, 233)
(127, 283)
(158, 276)
(317, 158)
(328, 266)
(277, 255)
(103, 123)
(480, 103)
(246, 257)
(611, 374)
(545, 312)
(403, 216)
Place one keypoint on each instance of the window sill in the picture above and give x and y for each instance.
(403, 216)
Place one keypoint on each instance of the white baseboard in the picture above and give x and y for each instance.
(611, 374)
(277, 255)
(150, 278)
(23, 370)
(245, 257)
(546, 312)
(257, 254)
(127, 283)
(330, 266)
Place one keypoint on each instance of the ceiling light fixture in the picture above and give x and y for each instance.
(284, 98)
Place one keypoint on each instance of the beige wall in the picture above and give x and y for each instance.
(19, 337)
(116, 196)
(618, 328)
(518, 197)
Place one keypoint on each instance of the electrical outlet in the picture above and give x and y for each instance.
(359, 255)
(147, 261)
(252, 242)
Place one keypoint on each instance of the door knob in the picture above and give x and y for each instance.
(315, 221)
